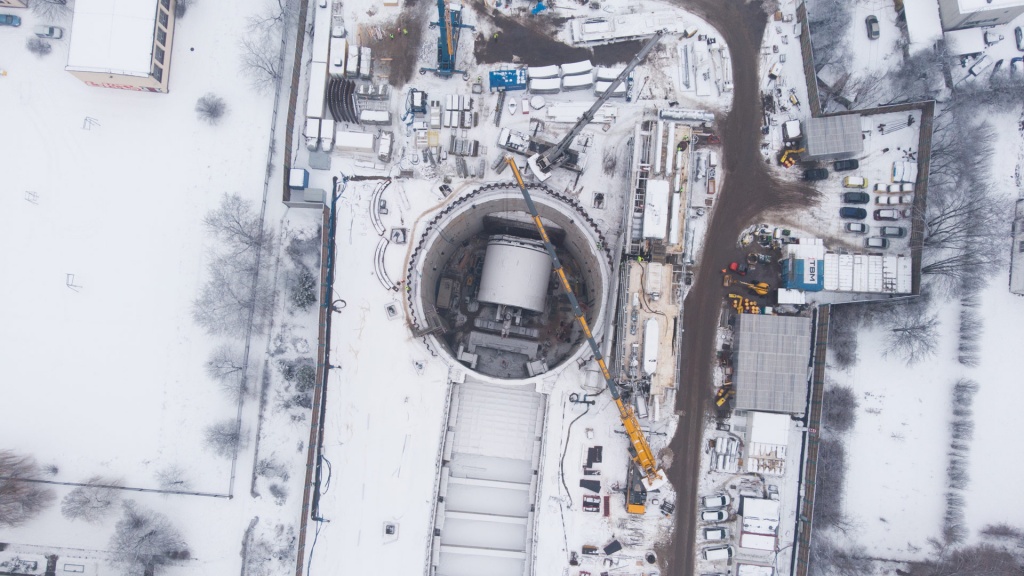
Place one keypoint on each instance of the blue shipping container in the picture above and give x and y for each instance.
(508, 79)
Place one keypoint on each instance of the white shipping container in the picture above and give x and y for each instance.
(352, 62)
(365, 63)
(651, 334)
(573, 68)
(317, 90)
(376, 117)
(339, 54)
(327, 135)
(602, 86)
(358, 142)
(577, 82)
(545, 86)
(312, 133)
(609, 74)
(542, 72)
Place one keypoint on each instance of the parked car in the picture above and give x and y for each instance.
(815, 174)
(714, 515)
(906, 187)
(853, 213)
(887, 214)
(841, 165)
(886, 200)
(716, 533)
(716, 501)
(872, 24)
(892, 231)
(10, 20)
(857, 227)
(1018, 35)
(894, 188)
(875, 242)
(717, 553)
(855, 182)
(1017, 65)
(54, 32)
(856, 197)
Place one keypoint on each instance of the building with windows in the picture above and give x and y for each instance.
(125, 45)
(960, 14)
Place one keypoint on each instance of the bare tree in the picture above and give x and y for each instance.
(970, 331)
(1003, 530)
(52, 9)
(227, 366)
(172, 478)
(20, 501)
(38, 46)
(238, 225)
(839, 409)
(261, 48)
(91, 503)
(911, 333)
(181, 8)
(225, 438)
(828, 497)
(144, 539)
(211, 108)
(829, 558)
(239, 287)
(980, 559)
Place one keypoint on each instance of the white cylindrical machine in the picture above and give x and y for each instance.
(516, 273)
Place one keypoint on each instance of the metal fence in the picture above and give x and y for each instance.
(805, 509)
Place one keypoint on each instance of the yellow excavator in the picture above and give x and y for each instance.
(790, 155)
(643, 461)
(760, 288)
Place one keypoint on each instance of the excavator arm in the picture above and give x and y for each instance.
(640, 449)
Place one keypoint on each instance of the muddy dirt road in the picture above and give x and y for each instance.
(748, 191)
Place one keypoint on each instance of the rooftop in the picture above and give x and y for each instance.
(971, 5)
(772, 355)
(113, 36)
(834, 136)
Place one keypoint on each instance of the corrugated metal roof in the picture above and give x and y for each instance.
(834, 136)
(771, 358)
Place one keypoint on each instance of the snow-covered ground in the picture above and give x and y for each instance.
(106, 368)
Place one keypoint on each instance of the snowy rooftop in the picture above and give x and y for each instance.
(113, 36)
(969, 41)
(772, 353)
(971, 5)
(923, 24)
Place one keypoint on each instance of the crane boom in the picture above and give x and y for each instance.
(640, 449)
(541, 163)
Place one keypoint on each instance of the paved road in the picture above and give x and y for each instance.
(748, 190)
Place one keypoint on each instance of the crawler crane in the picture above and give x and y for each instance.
(643, 459)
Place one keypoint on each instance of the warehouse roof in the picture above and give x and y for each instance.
(113, 36)
(834, 136)
(771, 358)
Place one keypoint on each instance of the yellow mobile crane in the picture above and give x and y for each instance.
(640, 450)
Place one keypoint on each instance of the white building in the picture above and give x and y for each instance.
(125, 45)
(960, 14)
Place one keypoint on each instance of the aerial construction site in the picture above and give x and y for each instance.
(503, 399)
(515, 287)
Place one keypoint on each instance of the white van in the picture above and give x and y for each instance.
(718, 553)
(982, 64)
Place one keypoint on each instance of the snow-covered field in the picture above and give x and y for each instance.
(105, 370)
